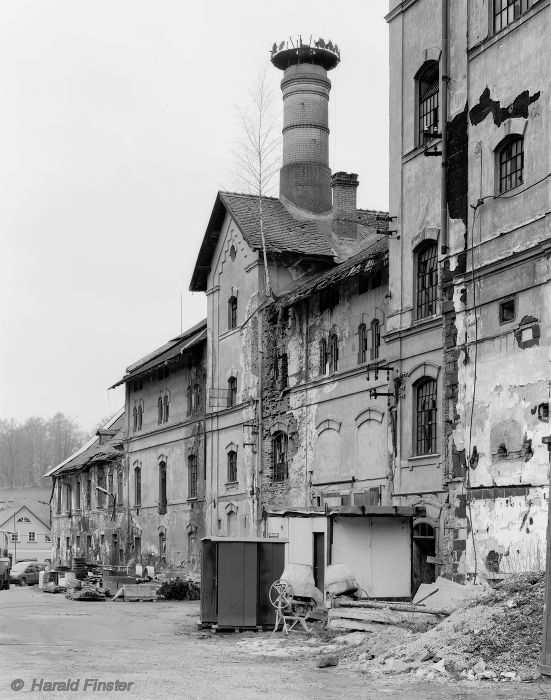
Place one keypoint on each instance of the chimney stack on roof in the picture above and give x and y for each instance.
(305, 176)
(344, 204)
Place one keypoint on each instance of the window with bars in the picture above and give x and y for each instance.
(427, 280)
(425, 417)
(232, 313)
(192, 476)
(428, 91)
(89, 493)
(375, 338)
(232, 466)
(511, 164)
(508, 11)
(333, 353)
(232, 392)
(137, 486)
(362, 343)
(323, 356)
(279, 457)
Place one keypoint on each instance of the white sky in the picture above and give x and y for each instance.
(117, 123)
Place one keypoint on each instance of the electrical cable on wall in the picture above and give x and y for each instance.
(475, 369)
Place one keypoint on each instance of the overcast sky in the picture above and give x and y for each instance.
(117, 123)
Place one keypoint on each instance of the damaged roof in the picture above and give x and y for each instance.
(285, 233)
(168, 352)
(369, 259)
(94, 453)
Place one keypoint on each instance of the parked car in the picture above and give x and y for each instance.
(25, 573)
(4, 573)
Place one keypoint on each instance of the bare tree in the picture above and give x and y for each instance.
(257, 154)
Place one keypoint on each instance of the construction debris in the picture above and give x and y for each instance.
(495, 637)
(360, 618)
(446, 594)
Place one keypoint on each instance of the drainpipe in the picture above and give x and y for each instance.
(444, 69)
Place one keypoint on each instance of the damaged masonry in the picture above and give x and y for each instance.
(383, 404)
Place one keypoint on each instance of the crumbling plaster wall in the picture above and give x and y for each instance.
(503, 239)
(336, 432)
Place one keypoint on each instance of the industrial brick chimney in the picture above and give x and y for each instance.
(305, 176)
(344, 204)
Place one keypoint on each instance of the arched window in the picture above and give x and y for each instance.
(510, 156)
(283, 373)
(232, 392)
(159, 410)
(427, 280)
(323, 356)
(196, 398)
(232, 313)
(101, 487)
(137, 486)
(192, 476)
(362, 343)
(333, 353)
(375, 338)
(425, 417)
(189, 396)
(135, 414)
(140, 416)
(428, 88)
(166, 408)
(232, 466)
(279, 457)
(162, 487)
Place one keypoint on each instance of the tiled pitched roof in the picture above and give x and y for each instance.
(167, 352)
(95, 453)
(369, 259)
(283, 233)
(286, 231)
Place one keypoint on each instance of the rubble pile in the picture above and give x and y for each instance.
(495, 637)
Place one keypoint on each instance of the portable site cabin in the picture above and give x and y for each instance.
(373, 542)
(236, 576)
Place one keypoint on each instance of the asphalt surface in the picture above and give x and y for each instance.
(157, 648)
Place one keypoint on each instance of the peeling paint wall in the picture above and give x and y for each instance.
(497, 329)
(337, 434)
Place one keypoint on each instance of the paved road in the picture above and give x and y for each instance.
(157, 648)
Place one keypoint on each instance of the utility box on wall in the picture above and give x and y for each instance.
(236, 577)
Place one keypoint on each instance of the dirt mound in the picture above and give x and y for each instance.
(496, 637)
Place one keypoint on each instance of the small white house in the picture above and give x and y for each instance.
(25, 535)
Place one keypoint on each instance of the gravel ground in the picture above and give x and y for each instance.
(157, 648)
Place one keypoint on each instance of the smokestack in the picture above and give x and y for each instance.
(305, 176)
(344, 204)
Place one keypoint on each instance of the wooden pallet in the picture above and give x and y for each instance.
(137, 593)
(214, 627)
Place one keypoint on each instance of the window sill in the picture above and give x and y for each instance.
(231, 484)
(424, 460)
(494, 37)
(419, 150)
(192, 499)
(229, 332)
